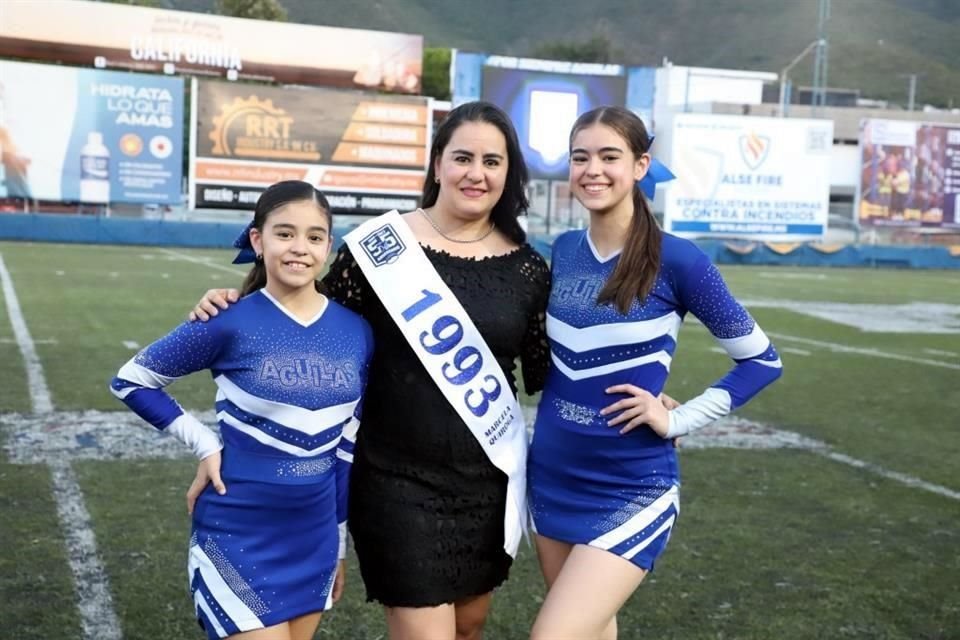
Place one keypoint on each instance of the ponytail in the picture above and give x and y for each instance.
(256, 279)
(636, 271)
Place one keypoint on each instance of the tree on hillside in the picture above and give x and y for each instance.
(254, 9)
(436, 73)
(596, 49)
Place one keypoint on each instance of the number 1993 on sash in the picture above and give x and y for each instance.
(462, 369)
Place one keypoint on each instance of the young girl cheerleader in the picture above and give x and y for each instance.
(603, 477)
(268, 539)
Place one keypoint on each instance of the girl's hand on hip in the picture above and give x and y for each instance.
(640, 407)
(208, 471)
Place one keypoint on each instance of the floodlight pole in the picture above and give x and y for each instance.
(786, 70)
(911, 88)
(819, 65)
(820, 61)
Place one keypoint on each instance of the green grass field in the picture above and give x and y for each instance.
(846, 525)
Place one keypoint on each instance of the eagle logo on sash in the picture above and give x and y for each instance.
(383, 246)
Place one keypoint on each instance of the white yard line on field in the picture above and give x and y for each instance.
(201, 261)
(130, 344)
(774, 275)
(36, 382)
(902, 478)
(840, 348)
(911, 318)
(941, 352)
(97, 616)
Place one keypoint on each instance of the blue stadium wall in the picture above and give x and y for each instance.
(39, 227)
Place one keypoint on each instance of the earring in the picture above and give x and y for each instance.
(259, 257)
(436, 179)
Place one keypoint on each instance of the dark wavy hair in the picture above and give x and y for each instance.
(513, 202)
(636, 271)
(276, 196)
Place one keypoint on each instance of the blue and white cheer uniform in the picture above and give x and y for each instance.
(588, 484)
(288, 410)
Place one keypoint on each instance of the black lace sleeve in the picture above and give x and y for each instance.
(535, 353)
(345, 282)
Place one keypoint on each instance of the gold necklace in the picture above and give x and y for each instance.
(457, 240)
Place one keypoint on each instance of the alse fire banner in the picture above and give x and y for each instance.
(740, 176)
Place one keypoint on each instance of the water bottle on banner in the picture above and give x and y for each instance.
(95, 170)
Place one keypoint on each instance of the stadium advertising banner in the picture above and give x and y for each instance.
(544, 98)
(740, 176)
(81, 135)
(366, 152)
(107, 35)
(910, 174)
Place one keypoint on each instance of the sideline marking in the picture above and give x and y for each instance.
(98, 618)
(840, 348)
(36, 382)
(787, 275)
(903, 478)
(912, 317)
(941, 352)
(97, 615)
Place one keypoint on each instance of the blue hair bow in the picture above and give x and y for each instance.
(246, 253)
(656, 172)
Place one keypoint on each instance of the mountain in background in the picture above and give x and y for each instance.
(873, 43)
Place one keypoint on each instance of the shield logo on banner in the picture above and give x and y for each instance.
(754, 149)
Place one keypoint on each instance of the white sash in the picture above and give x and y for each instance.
(451, 349)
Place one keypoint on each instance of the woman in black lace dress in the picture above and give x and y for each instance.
(426, 504)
